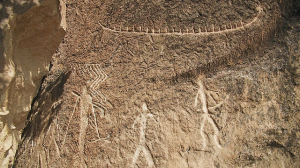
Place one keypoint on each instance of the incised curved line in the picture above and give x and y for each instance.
(200, 32)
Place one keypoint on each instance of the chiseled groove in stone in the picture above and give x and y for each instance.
(193, 33)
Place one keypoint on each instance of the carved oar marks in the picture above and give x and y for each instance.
(200, 31)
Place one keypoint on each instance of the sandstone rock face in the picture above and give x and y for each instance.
(31, 31)
(170, 84)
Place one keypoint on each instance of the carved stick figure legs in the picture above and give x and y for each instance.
(85, 104)
(206, 116)
(146, 153)
(142, 144)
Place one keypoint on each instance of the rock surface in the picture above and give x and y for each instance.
(154, 84)
(31, 31)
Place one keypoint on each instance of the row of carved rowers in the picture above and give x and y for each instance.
(180, 31)
(200, 30)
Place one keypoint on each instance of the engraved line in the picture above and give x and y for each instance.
(85, 101)
(206, 116)
(142, 143)
(153, 32)
(96, 125)
(205, 110)
(97, 76)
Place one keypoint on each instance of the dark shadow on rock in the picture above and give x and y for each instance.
(275, 144)
(44, 108)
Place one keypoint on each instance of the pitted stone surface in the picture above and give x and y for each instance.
(131, 98)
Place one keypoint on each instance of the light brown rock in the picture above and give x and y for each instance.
(30, 33)
(152, 98)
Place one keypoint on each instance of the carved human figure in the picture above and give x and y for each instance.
(142, 142)
(206, 116)
(90, 98)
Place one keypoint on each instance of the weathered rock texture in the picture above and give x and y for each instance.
(142, 86)
(31, 31)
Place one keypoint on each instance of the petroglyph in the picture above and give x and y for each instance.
(86, 104)
(95, 76)
(202, 92)
(89, 98)
(84, 107)
(188, 31)
(142, 143)
(89, 102)
(57, 149)
(74, 109)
